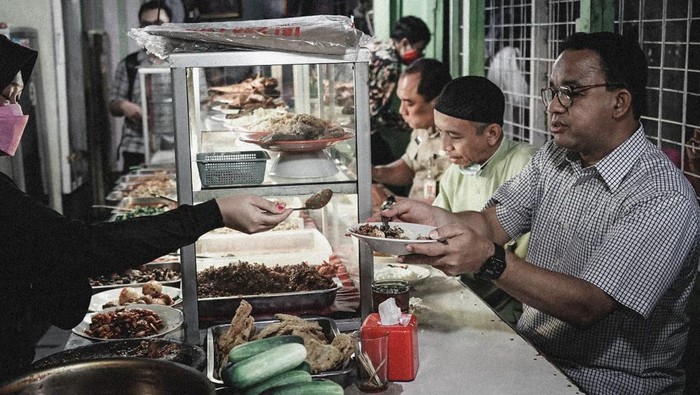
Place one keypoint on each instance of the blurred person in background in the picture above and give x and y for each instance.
(424, 161)
(125, 94)
(408, 39)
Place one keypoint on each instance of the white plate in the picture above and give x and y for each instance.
(394, 246)
(219, 117)
(173, 319)
(226, 110)
(112, 295)
(400, 271)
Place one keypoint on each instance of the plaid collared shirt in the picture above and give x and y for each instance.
(628, 225)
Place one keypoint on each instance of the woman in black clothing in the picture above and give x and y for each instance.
(46, 258)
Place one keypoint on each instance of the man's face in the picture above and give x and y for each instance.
(584, 126)
(152, 17)
(459, 139)
(417, 112)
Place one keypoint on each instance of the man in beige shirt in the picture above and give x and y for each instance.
(424, 160)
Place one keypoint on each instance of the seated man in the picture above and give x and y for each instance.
(469, 116)
(418, 89)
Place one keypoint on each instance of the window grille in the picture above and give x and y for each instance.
(523, 39)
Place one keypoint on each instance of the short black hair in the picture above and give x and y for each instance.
(411, 28)
(154, 5)
(434, 75)
(622, 61)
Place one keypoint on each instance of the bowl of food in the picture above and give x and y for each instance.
(124, 376)
(392, 241)
(130, 322)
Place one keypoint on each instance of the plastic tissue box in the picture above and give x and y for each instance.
(403, 345)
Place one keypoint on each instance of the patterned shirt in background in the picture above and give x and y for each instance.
(161, 117)
(628, 225)
(425, 144)
(384, 71)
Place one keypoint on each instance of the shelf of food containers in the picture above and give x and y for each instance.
(226, 146)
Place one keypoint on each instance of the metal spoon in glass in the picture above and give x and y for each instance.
(317, 200)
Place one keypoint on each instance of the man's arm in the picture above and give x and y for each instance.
(470, 243)
(395, 173)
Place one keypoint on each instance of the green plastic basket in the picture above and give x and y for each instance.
(231, 168)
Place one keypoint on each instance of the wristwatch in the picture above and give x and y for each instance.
(494, 266)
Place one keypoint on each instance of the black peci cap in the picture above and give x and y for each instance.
(472, 98)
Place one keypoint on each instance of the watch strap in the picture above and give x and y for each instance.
(494, 266)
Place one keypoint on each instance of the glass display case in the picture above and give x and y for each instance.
(298, 126)
(157, 119)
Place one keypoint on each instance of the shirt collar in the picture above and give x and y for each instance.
(614, 166)
(503, 148)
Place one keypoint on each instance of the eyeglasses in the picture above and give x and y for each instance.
(566, 94)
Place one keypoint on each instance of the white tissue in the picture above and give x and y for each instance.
(389, 312)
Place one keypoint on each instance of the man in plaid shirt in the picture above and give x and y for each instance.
(125, 95)
(614, 224)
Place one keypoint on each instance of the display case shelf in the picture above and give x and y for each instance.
(308, 84)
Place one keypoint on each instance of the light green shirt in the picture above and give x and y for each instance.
(459, 192)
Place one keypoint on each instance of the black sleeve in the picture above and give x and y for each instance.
(46, 241)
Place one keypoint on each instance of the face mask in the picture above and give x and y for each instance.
(12, 123)
(471, 170)
(410, 56)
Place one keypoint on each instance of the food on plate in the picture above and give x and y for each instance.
(251, 93)
(142, 211)
(297, 127)
(136, 276)
(153, 187)
(323, 354)
(124, 324)
(245, 278)
(395, 272)
(151, 293)
(394, 232)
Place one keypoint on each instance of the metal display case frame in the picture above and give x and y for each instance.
(185, 69)
(143, 74)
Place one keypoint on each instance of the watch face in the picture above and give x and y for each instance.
(494, 266)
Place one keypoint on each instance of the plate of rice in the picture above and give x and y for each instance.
(400, 271)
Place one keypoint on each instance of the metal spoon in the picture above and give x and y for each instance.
(385, 220)
(317, 200)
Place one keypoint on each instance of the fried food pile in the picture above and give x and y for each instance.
(249, 94)
(125, 324)
(322, 354)
(134, 276)
(245, 278)
(151, 293)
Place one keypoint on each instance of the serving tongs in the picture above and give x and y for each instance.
(384, 227)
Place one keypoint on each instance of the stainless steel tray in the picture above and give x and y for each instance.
(330, 329)
(221, 309)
